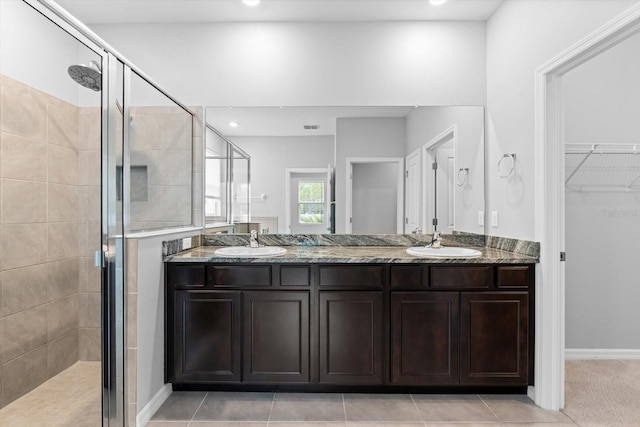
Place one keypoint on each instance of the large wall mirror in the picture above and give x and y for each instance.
(361, 170)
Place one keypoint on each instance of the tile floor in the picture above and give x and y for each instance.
(71, 398)
(599, 393)
(221, 409)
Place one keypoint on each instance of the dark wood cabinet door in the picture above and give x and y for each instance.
(276, 336)
(351, 337)
(206, 336)
(424, 338)
(494, 338)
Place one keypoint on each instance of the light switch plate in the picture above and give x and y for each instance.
(494, 218)
(480, 217)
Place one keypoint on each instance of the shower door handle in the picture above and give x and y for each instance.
(98, 259)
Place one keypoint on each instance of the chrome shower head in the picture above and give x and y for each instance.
(88, 76)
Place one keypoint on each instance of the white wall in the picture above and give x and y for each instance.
(424, 124)
(36, 52)
(364, 137)
(262, 64)
(521, 36)
(602, 105)
(150, 366)
(271, 156)
(602, 97)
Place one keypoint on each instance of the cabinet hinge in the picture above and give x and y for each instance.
(563, 256)
(434, 166)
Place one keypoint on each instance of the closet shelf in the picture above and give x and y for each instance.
(602, 167)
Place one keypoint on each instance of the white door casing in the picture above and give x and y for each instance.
(412, 196)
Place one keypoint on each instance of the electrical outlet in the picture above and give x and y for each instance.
(186, 243)
(494, 218)
(480, 217)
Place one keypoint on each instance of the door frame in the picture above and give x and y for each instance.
(449, 134)
(416, 153)
(349, 188)
(550, 203)
(287, 193)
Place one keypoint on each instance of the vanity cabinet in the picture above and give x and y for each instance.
(206, 336)
(332, 327)
(494, 329)
(240, 335)
(276, 337)
(351, 337)
(424, 338)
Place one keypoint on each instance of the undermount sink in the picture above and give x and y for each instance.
(443, 252)
(247, 252)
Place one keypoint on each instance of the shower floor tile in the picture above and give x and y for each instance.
(71, 398)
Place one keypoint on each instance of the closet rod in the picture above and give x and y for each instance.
(604, 149)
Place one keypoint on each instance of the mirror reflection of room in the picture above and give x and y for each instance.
(370, 168)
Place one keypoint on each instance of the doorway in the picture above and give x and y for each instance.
(550, 203)
(375, 196)
(439, 182)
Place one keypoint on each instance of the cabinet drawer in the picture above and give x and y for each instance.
(351, 275)
(235, 275)
(464, 277)
(513, 277)
(408, 276)
(295, 275)
(186, 275)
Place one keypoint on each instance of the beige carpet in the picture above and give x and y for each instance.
(603, 392)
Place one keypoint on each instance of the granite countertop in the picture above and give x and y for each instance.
(352, 254)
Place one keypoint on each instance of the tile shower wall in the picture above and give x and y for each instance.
(89, 231)
(47, 208)
(161, 161)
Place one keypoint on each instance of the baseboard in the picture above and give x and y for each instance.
(154, 404)
(600, 354)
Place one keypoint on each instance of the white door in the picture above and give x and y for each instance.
(375, 198)
(412, 200)
(309, 194)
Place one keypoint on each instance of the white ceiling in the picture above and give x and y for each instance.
(290, 121)
(181, 11)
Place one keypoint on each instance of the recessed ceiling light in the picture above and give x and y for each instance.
(251, 2)
(437, 2)
(234, 124)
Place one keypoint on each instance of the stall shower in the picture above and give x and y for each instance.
(50, 130)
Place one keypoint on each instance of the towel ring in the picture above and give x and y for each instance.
(465, 175)
(511, 156)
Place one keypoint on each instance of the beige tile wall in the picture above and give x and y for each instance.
(89, 232)
(161, 139)
(131, 335)
(49, 226)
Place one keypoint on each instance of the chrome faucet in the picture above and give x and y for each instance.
(436, 240)
(253, 239)
(416, 231)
